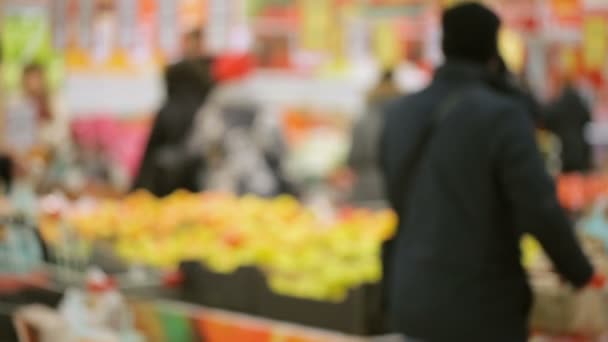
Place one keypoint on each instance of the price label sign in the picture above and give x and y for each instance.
(167, 17)
(569, 60)
(86, 10)
(567, 12)
(386, 44)
(127, 17)
(595, 43)
(316, 23)
(513, 49)
(60, 10)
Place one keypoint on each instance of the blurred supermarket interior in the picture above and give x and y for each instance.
(147, 199)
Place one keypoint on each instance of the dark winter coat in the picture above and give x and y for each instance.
(454, 271)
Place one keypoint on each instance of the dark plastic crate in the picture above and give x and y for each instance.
(356, 315)
(246, 291)
(238, 291)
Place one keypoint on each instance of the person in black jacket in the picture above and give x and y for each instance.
(567, 116)
(505, 82)
(167, 164)
(453, 271)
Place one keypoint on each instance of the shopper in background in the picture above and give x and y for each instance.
(504, 81)
(34, 123)
(463, 171)
(166, 165)
(21, 116)
(242, 142)
(368, 190)
(567, 117)
(36, 129)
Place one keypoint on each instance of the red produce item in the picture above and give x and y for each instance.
(173, 279)
(596, 186)
(598, 281)
(232, 67)
(233, 239)
(571, 191)
(104, 285)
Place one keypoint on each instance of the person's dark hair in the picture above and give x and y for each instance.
(470, 33)
(185, 77)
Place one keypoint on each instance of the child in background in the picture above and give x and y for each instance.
(36, 132)
(33, 123)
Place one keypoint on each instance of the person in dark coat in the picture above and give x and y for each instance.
(453, 270)
(567, 117)
(505, 82)
(167, 164)
(367, 190)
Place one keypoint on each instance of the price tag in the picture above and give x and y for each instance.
(60, 10)
(316, 23)
(567, 12)
(386, 44)
(86, 11)
(568, 60)
(595, 43)
(127, 17)
(513, 50)
(167, 17)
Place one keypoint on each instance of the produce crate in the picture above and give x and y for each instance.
(246, 291)
(355, 315)
(238, 291)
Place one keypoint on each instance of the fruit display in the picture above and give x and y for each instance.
(301, 254)
(578, 191)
